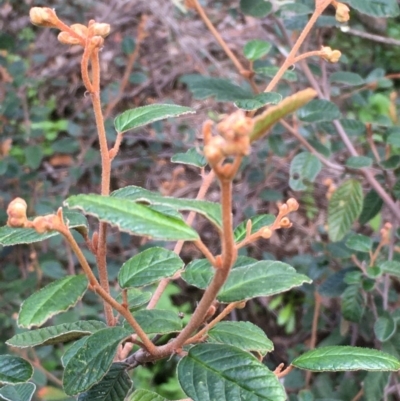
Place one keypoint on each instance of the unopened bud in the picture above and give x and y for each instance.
(292, 204)
(16, 212)
(266, 233)
(244, 126)
(67, 39)
(44, 17)
(96, 41)
(330, 55)
(40, 224)
(284, 209)
(101, 29)
(213, 151)
(80, 29)
(342, 12)
(285, 223)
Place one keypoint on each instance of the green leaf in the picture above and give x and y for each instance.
(222, 89)
(93, 360)
(359, 242)
(319, 110)
(54, 298)
(384, 327)
(191, 157)
(256, 8)
(132, 217)
(258, 222)
(136, 298)
(374, 385)
(148, 267)
(140, 116)
(344, 208)
(255, 49)
(304, 168)
(157, 321)
(34, 156)
(17, 392)
(114, 386)
(357, 162)
(210, 210)
(13, 236)
(226, 373)
(248, 281)
(258, 101)
(376, 8)
(346, 77)
(391, 267)
(270, 71)
(353, 303)
(61, 333)
(392, 163)
(14, 369)
(244, 335)
(146, 395)
(72, 350)
(372, 205)
(344, 358)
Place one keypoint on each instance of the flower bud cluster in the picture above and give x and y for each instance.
(76, 34)
(330, 55)
(233, 139)
(16, 212)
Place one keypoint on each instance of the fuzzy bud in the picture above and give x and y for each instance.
(101, 29)
(213, 150)
(80, 29)
(67, 39)
(40, 224)
(342, 12)
(44, 17)
(266, 233)
(16, 212)
(284, 209)
(96, 41)
(292, 204)
(285, 223)
(330, 55)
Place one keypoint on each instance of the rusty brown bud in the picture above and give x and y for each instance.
(44, 17)
(101, 29)
(67, 39)
(292, 204)
(16, 212)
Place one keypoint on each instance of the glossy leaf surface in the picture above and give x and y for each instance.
(93, 360)
(14, 369)
(144, 115)
(226, 373)
(55, 334)
(148, 267)
(54, 298)
(344, 358)
(132, 217)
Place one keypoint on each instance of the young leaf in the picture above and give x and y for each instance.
(146, 395)
(347, 78)
(266, 120)
(54, 298)
(252, 280)
(319, 110)
(148, 267)
(17, 392)
(132, 217)
(304, 168)
(244, 335)
(144, 115)
(344, 207)
(14, 369)
(374, 385)
(226, 373)
(345, 358)
(376, 8)
(191, 157)
(358, 162)
(114, 386)
(256, 49)
(210, 210)
(258, 222)
(157, 321)
(93, 360)
(13, 236)
(55, 334)
(372, 205)
(384, 327)
(359, 243)
(256, 8)
(353, 303)
(391, 267)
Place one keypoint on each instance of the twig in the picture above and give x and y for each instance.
(370, 36)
